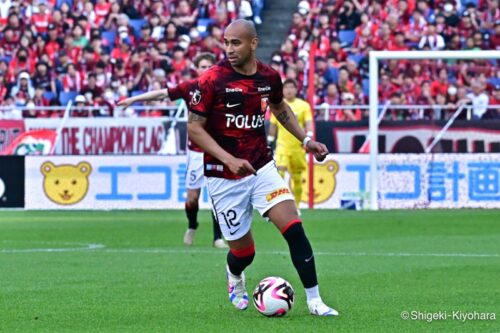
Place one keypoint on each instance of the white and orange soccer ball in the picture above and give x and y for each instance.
(273, 296)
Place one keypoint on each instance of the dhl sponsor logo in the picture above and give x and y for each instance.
(273, 195)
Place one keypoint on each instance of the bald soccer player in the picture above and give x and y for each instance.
(227, 122)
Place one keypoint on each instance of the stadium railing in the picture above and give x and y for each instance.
(180, 114)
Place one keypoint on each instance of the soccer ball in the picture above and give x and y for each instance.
(273, 296)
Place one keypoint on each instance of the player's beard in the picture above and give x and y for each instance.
(240, 61)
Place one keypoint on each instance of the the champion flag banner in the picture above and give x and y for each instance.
(39, 142)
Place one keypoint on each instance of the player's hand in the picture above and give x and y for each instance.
(318, 149)
(125, 103)
(240, 167)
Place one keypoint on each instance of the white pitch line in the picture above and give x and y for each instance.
(320, 253)
(102, 248)
(87, 247)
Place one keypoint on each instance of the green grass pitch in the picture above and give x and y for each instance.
(128, 271)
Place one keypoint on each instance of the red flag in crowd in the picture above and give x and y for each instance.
(39, 142)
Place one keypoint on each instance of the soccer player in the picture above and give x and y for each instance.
(195, 155)
(290, 155)
(227, 122)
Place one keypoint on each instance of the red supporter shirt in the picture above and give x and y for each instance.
(101, 11)
(437, 87)
(235, 106)
(41, 22)
(185, 91)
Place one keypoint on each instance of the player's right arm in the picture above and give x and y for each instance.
(147, 96)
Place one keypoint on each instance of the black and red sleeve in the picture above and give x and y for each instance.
(276, 95)
(203, 97)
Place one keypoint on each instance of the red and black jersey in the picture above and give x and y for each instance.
(185, 91)
(235, 106)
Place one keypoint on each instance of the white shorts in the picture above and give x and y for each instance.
(194, 173)
(233, 201)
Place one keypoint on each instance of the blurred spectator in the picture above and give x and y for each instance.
(431, 40)
(332, 96)
(349, 17)
(348, 114)
(326, 72)
(43, 78)
(79, 108)
(8, 43)
(79, 39)
(184, 17)
(23, 90)
(10, 111)
(41, 18)
(72, 80)
(3, 87)
(345, 83)
(21, 62)
(91, 90)
(112, 18)
(479, 100)
(495, 101)
(440, 86)
(257, 6)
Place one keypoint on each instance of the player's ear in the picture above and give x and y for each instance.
(254, 43)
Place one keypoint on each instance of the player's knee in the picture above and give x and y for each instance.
(192, 198)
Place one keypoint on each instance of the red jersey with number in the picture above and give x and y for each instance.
(235, 106)
(185, 91)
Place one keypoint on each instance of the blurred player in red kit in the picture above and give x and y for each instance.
(194, 175)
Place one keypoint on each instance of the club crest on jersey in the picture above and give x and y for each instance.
(264, 104)
(196, 98)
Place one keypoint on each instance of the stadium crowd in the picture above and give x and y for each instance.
(101, 51)
(346, 30)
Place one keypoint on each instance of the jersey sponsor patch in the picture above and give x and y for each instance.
(214, 167)
(244, 121)
(274, 194)
(196, 98)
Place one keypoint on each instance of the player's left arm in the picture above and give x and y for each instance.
(273, 130)
(287, 118)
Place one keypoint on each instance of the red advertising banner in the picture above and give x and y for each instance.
(32, 143)
(9, 131)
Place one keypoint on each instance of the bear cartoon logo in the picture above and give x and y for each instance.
(66, 184)
(324, 182)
